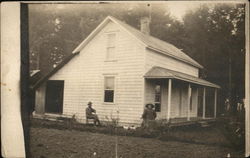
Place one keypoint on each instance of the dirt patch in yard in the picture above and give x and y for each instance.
(54, 143)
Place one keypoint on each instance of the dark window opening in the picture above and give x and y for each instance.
(109, 96)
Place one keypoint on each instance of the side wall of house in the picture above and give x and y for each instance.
(84, 78)
(161, 60)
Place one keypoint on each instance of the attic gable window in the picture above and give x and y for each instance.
(110, 52)
(109, 87)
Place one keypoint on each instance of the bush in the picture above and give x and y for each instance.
(234, 131)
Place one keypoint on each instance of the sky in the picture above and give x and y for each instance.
(178, 9)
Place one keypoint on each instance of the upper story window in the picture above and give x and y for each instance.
(109, 89)
(110, 52)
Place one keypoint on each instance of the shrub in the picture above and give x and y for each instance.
(233, 130)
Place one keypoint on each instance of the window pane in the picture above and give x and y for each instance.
(157, 107)
(158, 98)
(110, 53)
(109, 83)
(109, 96)
(111, 40)
(157, 89)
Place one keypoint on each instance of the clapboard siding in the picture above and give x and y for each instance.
(84, 77)
(158, 59)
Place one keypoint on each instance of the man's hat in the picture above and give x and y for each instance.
(147, 105)
(90, 103)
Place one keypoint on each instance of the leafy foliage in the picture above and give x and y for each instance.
(234, 132)
(215, 38)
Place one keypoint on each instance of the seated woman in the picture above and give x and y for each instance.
(91, 114)
(148, 114)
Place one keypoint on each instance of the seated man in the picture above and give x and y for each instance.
(91, 114)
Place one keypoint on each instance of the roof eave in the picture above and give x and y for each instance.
(91, 35)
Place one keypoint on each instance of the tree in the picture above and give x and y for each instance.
(215, 37)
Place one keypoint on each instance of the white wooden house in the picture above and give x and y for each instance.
(120, 69)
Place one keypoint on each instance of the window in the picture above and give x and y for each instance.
(157, 98)
(109, 89)
(110, 55)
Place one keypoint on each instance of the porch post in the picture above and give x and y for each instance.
(189, 95)
(204, 103)
(169, 98)
(215, 102)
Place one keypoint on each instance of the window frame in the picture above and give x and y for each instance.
(160, 96)
(104, 88)
(110, 46)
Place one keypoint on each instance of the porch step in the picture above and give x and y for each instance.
(204, 123)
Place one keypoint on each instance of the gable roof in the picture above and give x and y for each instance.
(159, 72)
(149, 41)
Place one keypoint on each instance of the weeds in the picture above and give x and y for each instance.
(233, 130)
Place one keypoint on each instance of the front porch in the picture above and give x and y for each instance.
(179, 97)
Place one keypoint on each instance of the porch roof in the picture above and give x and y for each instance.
(159, 72)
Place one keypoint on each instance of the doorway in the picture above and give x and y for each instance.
(54, 96)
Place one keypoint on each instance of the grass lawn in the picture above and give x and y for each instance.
(54, 143)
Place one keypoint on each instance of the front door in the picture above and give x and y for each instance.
(54, 96)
